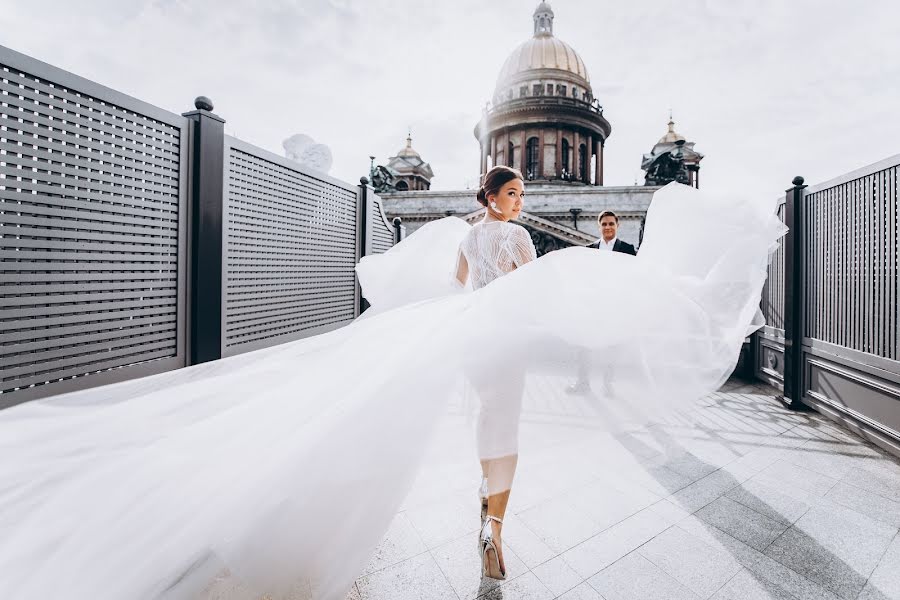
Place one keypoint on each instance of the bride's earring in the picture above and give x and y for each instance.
(494, 205)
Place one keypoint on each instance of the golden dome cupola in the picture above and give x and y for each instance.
(543, 59)
(543, 20)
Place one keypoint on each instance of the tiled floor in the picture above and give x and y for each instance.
(751, 502)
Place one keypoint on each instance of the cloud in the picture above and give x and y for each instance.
(767, 89)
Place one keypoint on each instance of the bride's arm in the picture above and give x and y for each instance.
(462, 270)
(521, 247)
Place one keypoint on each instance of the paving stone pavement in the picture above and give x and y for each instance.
(751, 502)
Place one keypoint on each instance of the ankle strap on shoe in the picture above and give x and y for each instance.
(493, 518)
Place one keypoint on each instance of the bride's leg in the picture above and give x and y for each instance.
(498, 443)
(501, 472)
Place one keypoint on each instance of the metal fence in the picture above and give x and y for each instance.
(836, 284)
(769, 341)
(384, 234)
(93, 198)
(852, 277)
(290, 250)
(134, 240)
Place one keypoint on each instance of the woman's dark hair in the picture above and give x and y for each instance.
(495, 179)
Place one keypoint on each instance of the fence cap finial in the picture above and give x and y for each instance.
(364, 181)
(397, 221)
(797, 180)
(203, 103)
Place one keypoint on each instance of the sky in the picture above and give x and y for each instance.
(767, 89)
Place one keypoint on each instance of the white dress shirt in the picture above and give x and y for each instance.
(604, 245)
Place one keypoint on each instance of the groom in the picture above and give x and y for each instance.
(609, 226)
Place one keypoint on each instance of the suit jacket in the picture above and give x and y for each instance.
(619, 246)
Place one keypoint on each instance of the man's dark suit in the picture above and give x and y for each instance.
(619, 246)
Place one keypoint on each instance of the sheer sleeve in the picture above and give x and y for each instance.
(520, 246)
(461, 274)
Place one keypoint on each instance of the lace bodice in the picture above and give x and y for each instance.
(495, 248)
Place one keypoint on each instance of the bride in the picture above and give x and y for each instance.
(495, 247)
(277, 472)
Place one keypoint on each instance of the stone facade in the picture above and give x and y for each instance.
(547, 209)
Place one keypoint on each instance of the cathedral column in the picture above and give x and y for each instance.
(600, 161)
(559, 164)
(506, 153)
(492, 151)
(575, 145)
(588, 154)
(598, 178)
(540, 170)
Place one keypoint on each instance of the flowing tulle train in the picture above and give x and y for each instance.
(277, 472)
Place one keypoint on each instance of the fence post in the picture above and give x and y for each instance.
(794, 297)
(398, 230)
(364, 233)
(206, 233)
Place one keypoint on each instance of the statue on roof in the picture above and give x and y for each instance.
(382, 180)
(666, 167)
(673, 158)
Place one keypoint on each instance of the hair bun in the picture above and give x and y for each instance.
(481, 197)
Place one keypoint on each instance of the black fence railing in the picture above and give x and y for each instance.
(833, 339)
(134, 240)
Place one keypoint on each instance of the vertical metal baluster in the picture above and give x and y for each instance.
(880, 230)
(828, 242)
(871, 256)
(893, 273)
(858, 260)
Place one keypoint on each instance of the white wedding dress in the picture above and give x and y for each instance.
(277, 472)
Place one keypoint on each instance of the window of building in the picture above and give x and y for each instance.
(565, 162)
(510, 155)
(532, 156)
(536, 89)
(549, 89)
(560, 90)
(523, 91)
(575, 92)
(509, 95)
(402, 186)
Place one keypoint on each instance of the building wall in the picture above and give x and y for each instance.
(550, 202)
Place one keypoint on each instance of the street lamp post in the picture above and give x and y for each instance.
(575, 212)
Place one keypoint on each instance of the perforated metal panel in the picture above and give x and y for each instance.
(291, 248)
(851, 241)
(773, 292)
(92, 200)
(382, 230)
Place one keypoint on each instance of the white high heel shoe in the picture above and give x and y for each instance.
(490, 557)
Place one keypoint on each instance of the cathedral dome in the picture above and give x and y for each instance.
(544, 55)
(543, 52)
(543, 118)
